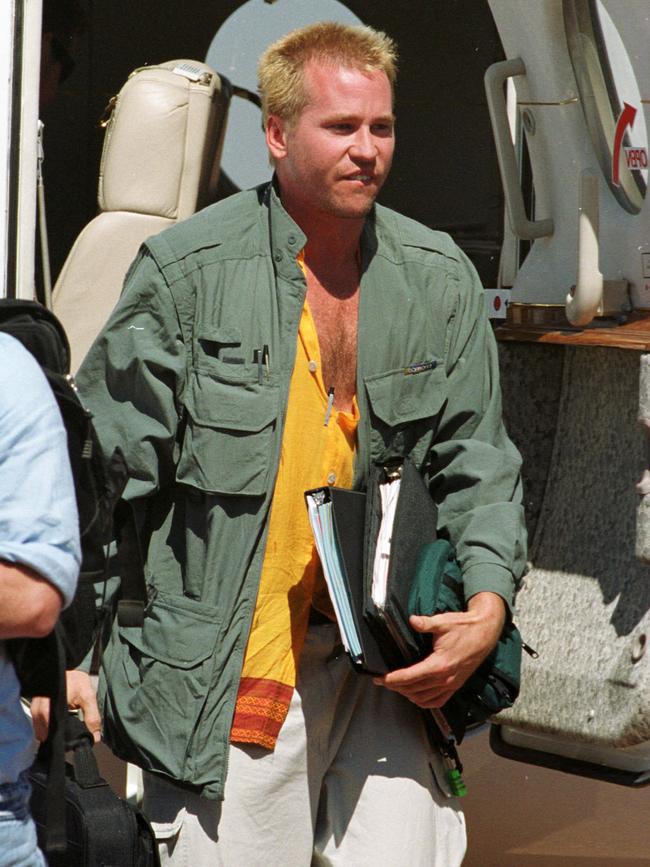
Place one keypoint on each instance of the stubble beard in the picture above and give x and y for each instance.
(349, 210)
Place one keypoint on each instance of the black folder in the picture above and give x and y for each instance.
(349, 519)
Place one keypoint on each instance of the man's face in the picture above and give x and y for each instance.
(334, 158)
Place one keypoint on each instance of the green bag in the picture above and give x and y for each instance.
(437, 587)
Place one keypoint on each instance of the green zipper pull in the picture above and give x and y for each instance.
(456, 783)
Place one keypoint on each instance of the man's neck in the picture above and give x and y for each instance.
(330, 239)
(330, 250)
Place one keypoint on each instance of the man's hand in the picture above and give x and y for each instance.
(81, 695)
(461, 641)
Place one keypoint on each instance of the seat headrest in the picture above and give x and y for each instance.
(163, 141)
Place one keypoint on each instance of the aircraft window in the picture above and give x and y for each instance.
(610, 99)
(235, 50)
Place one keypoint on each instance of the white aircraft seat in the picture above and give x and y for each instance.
(160, 163)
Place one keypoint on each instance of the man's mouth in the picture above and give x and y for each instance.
(360, 177)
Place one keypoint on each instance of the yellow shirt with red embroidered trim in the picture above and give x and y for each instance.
(313, 454)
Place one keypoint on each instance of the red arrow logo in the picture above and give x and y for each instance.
(625, 119)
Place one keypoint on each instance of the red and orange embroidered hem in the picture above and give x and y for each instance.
(260, 710)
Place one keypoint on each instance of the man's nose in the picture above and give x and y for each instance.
(364, 146)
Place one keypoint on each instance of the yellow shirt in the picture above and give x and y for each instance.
(313, 454)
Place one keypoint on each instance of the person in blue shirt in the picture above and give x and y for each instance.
(39, 564)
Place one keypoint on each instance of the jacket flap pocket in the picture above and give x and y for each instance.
(408, 393)
(240, 406)
(224, 336)
(178, 631)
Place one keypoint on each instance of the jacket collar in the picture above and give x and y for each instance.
(286, 238)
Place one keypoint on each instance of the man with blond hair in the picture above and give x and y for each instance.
(285, 338)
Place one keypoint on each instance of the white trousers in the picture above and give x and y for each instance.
(352, 782)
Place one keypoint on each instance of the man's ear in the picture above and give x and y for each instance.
(276, 136)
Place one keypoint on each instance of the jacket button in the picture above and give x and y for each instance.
(331, 478)
(313, 366)
(292, 240)
(278, 255)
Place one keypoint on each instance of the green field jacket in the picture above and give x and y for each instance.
(172, 379)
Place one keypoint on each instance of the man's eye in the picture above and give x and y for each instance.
(382, 129)
(341, 127)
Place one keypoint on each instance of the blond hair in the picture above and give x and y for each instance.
(281, 66)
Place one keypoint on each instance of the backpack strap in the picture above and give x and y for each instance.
(133, 590)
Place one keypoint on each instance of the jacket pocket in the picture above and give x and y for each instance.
(178, 631)
(399, 396)
(405, 404)
(159, 676)
(228, 442)
(218, 353)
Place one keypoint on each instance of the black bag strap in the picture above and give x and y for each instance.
(54, 750)
(133, 590)
(80, 741)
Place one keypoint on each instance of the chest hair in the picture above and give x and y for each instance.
(334, 305)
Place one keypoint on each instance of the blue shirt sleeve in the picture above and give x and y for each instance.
(39, 525)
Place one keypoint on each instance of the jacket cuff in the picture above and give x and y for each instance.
(492, 578)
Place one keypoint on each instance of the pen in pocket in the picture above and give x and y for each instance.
(262, 359)
(257, 359)
(330, 404)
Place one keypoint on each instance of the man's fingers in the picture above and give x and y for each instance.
(81, 695)
(40, 709)
(431, 698)
(437, 622)
(92, 718)
(426, 696)
(431, 671)
(433, 701)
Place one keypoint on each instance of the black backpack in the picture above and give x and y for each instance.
(99, 481)
(98, 486)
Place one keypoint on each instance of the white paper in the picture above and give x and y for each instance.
(389, 492)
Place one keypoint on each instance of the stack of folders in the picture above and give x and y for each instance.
(368, 544)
